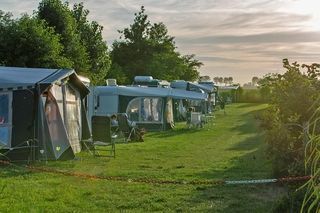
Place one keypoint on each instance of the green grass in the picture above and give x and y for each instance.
(232, 149)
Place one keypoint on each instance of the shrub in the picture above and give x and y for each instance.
(294, 98)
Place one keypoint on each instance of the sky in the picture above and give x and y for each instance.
(238, 38)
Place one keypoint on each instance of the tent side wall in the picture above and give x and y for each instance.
(23, 113)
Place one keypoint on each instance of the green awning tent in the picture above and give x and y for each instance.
(42, 115)
(149, 107)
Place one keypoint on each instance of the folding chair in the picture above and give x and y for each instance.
(128, 128)
(102, 136)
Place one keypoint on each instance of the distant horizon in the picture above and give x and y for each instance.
(233, 39)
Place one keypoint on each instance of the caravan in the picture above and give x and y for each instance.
(149, 107)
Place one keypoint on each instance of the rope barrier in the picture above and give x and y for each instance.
(159, 181)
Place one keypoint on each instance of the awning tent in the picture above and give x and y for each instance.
(202, 87)
(42, 114)
(149, 107)
(229, 93)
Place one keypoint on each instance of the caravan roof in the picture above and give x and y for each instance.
(150, 92)
(180, 84)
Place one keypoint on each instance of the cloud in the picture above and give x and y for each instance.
(273, 37)
(219, 59)
(233, 38)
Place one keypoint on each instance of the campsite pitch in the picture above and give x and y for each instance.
(231, 149)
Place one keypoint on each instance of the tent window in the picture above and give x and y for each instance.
(73, 117)
(57, 92)
(53, 118)
(5, 119)
(145, 110)
(68, 103)
(169, 111)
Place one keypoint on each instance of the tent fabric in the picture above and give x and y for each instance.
(149, 92)
(58, 135)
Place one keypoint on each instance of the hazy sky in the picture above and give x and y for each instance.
(239, 38)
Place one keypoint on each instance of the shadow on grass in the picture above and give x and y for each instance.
(246, 105)
(251, 116)
(240, 198)
(174, 132)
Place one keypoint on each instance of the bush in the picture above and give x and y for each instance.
(293, 115)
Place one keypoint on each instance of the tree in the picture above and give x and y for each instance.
(82, 40)
(230, 80)
(226, 80)
(60, 18)
(204, 78)
(191, 73)
(147, 49)
(29, 42)
(255, 80)
(91, 37)
(216, 79)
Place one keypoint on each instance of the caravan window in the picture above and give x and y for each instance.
(5, 119)
(145, 110)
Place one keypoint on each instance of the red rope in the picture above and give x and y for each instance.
(144, 180)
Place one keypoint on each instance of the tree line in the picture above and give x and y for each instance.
(59, 36)
(226, 80)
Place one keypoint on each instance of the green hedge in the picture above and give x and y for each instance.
(250, 96)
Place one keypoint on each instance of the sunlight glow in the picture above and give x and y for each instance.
(305, 7)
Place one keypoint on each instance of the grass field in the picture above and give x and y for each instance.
(232, 149)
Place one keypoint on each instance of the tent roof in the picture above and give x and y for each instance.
(149, 92)
(17, 77)
(205, 87)
(180, 84)
(231, 87)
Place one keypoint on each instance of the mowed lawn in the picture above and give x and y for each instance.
(231, 149)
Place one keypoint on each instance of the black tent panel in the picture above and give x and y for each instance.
(22, 117)
(86, 134)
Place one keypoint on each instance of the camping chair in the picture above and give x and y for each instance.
(195, 120)
(128, 128)
(101, 135)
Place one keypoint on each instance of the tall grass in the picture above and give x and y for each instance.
(311, 202)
